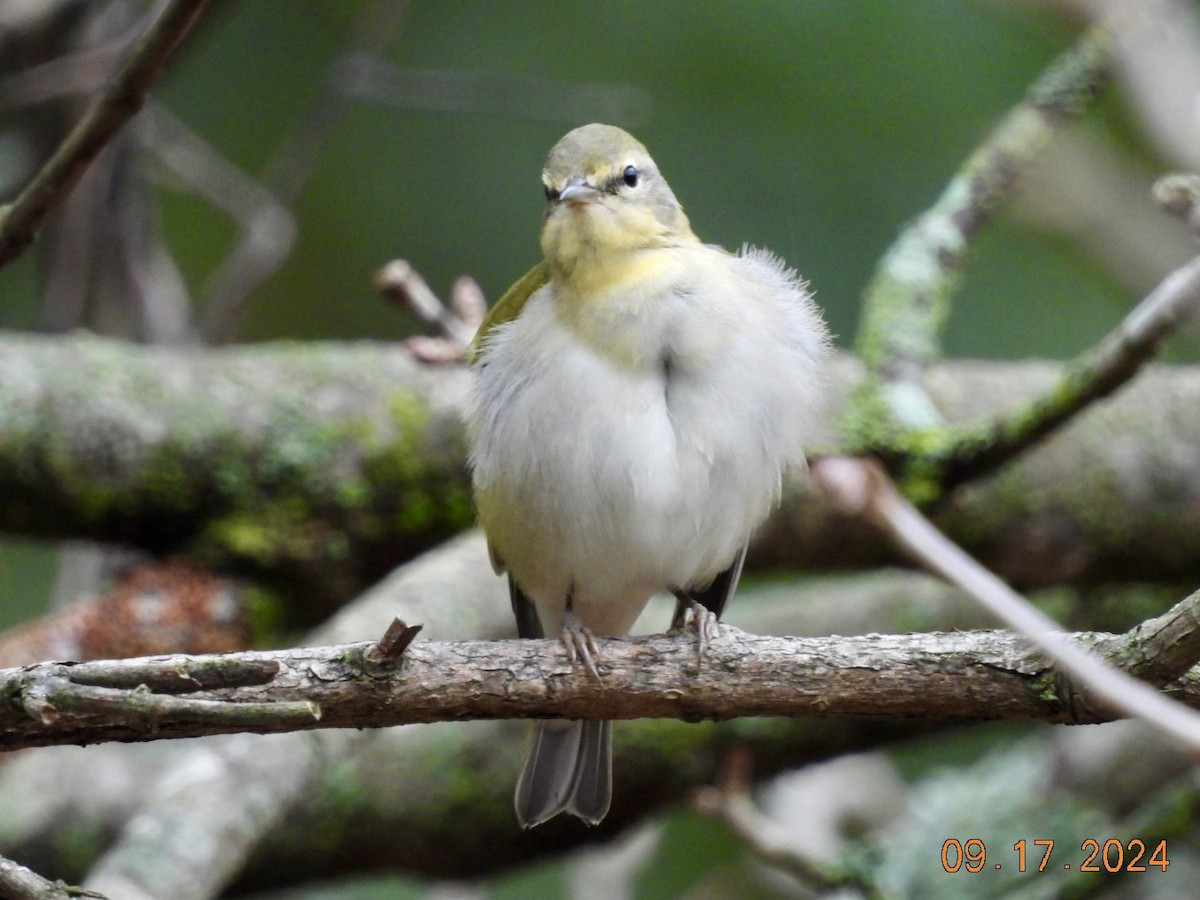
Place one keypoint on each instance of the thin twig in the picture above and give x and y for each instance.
(861, 485)
(260, 250)
(907, 301)
(20, 883)
(81, 72)
(204, 673)
(513, 97)
(123, 97)
(1097, 374)
(398, 280)
(729, 801)
(51, 697)
(1166, 647)
(189, 161)
(456, 323)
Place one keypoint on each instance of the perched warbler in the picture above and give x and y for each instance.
(636, 399)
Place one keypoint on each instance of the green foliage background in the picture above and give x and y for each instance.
(816, 128)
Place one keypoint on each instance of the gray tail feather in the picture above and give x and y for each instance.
(569, 769)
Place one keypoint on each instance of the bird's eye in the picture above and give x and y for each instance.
(551, 194)
(630, 176)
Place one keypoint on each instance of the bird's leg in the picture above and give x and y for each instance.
(578, 640)
(691, 615)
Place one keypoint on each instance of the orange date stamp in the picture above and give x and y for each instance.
(1095, 855)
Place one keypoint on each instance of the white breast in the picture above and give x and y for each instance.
(614, 481)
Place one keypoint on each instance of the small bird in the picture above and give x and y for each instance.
(636, 398)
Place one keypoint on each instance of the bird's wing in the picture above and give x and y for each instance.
(528, 623)
(715, 596)
(509, 306)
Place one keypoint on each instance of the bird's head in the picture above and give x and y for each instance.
(605, 198)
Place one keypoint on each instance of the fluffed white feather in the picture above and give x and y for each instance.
(632, 446)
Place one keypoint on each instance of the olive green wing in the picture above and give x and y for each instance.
(509, 306)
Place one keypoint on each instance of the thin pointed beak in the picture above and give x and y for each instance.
(577, 190)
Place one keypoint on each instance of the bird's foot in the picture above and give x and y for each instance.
(580, 643)
(703, 622)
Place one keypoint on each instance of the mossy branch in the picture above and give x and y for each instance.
(975, 450)
(907, 301)
(313, 470)
(317, 468)
(20, 883)
(1166, 647)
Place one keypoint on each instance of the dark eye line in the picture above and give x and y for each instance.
(629, 177)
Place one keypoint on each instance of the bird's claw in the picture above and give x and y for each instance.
(704, 623)
(580, 643)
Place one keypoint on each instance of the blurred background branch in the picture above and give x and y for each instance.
(315, 469)
(907, 301)
(121, 98)
(267, 232)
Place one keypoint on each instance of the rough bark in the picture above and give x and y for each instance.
(966, 675)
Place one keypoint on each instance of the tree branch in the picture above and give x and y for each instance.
(863, 486)
(274, 798)
(314, 473)
(1096, 375)
(730, 802)
(968, 675)
(245, 786)
(20, 221)
(316, 469)
(20, 883)
(1166, 647)
(907, 301)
